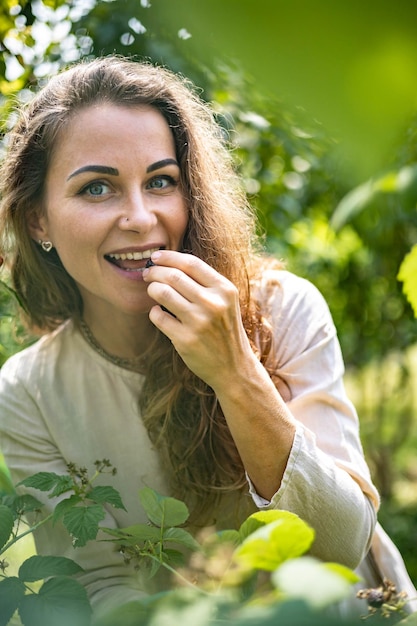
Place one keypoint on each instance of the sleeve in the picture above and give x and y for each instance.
(28, 448)
(327, 481)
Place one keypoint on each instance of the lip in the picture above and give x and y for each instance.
(137, 254)
(141, 252)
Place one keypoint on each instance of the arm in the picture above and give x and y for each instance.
(304, 456)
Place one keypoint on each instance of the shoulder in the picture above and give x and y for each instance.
(33, 360)
(289, 296)
(296, 312)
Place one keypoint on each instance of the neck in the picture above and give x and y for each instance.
(129, 338)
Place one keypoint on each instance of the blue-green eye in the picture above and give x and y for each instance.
(95, 189)
(162, 182)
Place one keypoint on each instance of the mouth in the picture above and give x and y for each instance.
(133, 261)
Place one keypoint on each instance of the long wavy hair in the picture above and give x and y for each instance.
(181, 413)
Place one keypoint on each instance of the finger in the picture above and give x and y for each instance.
(191, 265)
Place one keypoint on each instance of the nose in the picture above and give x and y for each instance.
(137, 213)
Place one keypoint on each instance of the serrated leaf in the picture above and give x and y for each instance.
(49, 481)
(40, 567)
(154, 568)
(174, 558)
(82, 523)
(12, 591)
(25, 503)
(61, 601)
(135, 534)
(163, 511)
(6, 524)
(182, 537)
(106, 494)
(276, 542)
(64, 506)
(408, 276)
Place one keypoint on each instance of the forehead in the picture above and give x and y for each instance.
(100, 128)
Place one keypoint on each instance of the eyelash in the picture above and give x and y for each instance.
(87, 188)
(166, 177)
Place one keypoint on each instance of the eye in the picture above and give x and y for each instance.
(95, 189)
(162, 182)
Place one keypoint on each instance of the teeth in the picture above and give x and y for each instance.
(133, 256)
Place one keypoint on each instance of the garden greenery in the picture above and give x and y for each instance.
(258, 573)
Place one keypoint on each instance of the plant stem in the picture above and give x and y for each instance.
(26, 532)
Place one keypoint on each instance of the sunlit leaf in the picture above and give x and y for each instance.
(261, 518)
(40, 567)
(270, 545)
(311, 580)
(402, 183)
(162, 510)
(408, 276)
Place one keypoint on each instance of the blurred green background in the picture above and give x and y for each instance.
(320, 102)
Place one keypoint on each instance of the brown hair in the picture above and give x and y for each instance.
(180, 411)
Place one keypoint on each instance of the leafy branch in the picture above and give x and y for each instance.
(60, 599)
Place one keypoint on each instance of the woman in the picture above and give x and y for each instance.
(208, 372)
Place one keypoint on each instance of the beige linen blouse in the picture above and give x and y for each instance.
(60, 402)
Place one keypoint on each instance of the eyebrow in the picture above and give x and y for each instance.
(160, 164)
(112, 171)
(99, 169)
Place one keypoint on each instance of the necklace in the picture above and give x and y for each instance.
(134, 364)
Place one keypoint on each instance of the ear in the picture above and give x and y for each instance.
(37, 226)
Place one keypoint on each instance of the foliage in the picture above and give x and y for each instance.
(253, 575)
(350, 243)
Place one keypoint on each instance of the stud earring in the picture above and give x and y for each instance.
(46, 245)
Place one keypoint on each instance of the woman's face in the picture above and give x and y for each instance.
(112, 196)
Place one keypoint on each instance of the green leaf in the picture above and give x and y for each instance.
(182, 537)
(12, 591)
(261, 518)
(408, 276)
(61, 601)
(313, 581)
(135, 534)
(130, 614)
(163, 511)
(6, 524)
(276, 542)
(64, 506)
(82, 523)
(174, 558)
(23, 504)
(229, 536)
(6, 484)
(106, 494)
(49, 481)
(41, 567)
